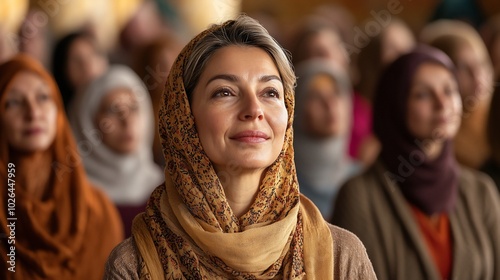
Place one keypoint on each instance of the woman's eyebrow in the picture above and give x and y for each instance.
(14, 91)
(234, 78)
(267, 78)
(227, 77)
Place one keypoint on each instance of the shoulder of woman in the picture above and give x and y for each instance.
(472, 180)
(123, 262)
(479, 190)
(350, 258)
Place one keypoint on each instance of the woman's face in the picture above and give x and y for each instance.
(30, 117)
(239, 109)
(84, 63)
(474, 78)
(326, 108)
(119, 120)
(434, 104)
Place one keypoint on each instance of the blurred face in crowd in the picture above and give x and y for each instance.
(144, 26)
(84, 63)
(164, 60)
(326, 113)
(239, 109)
(396, 41)
(474, 78)
(328, 44)
(30, 113)
(119, 120)
(434, 104)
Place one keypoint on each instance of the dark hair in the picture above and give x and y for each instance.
(60, 63)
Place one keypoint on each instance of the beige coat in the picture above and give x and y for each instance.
(374, 209)
(350, 259)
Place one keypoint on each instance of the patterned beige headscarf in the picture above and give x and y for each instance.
(189, 230)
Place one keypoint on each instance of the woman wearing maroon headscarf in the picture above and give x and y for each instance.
(419, 214)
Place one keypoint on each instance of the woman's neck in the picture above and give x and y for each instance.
(240, 189)
(433, 149)
(33, 173)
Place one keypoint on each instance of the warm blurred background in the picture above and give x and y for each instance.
(108, 19)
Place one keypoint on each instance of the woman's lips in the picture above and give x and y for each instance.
(32, 131)
(250, 136)
(443, 119)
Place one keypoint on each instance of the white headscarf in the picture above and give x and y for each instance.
(323, 165)
(127, 179)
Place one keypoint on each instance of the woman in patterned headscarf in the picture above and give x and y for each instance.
(230, 206)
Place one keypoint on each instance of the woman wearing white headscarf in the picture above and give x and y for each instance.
(113, 123)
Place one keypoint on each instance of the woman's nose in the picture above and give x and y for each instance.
(125, 118)
(330, 103)
(251, 108)
(33, 110)
(441, 101)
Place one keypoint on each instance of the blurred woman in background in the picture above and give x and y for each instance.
(153, 66)
(465, 47)
(64, 227)
(393, 41)
(76, 62)
(113, 124)
(317, 38)
(419, 214)
(321, 132)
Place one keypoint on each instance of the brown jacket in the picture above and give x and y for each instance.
(373, 208)
(350, 259)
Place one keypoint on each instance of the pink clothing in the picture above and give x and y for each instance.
(361, 123)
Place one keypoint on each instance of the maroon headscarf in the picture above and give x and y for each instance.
(430, 185)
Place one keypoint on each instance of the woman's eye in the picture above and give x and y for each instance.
(12, 103)
(134, 108)
(422, 95)
(222, 93)
(43, 97)
(272, 93)
(112, 110)
(450, 90)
